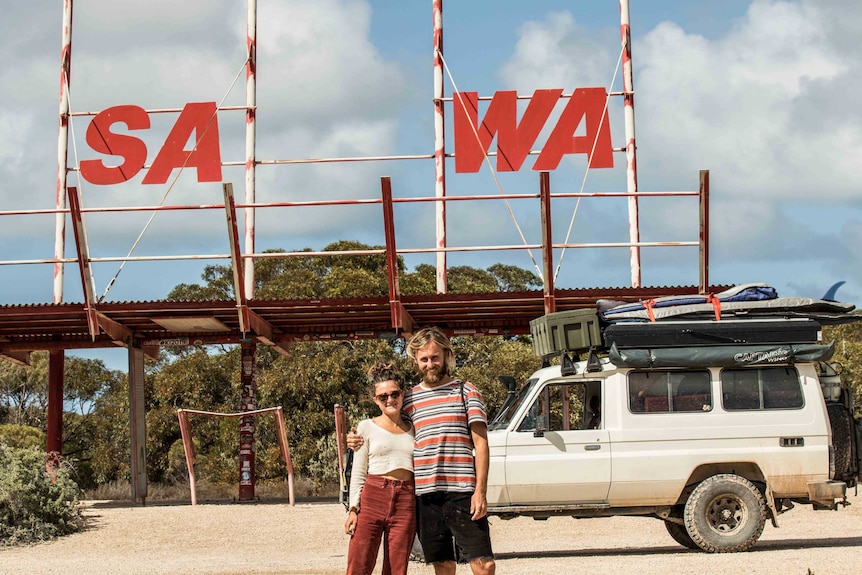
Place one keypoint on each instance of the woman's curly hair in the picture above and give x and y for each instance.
(382, 371)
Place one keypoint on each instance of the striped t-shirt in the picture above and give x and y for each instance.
(443, 448)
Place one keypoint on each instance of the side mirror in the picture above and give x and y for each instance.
(509, 381)
(512, 390)
(541, 426)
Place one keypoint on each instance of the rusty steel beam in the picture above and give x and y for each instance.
(236, 259)
(401, 320)
(119, 334)
(266, 334)
(83, 250)
(21, 358)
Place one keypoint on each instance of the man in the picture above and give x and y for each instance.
(596, 411)
(450, 424)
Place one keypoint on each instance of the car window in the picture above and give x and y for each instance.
(559, 405)
(665, 391)
(762, 388)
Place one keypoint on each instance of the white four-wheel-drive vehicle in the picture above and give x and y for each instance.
(710, 426)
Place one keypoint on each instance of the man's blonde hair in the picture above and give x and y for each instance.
(428, 335)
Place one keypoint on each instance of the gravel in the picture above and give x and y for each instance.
(274, 538)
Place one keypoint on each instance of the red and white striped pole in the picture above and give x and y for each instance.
(439, 146)
(631, 147)
(250, 135)
(62, 151)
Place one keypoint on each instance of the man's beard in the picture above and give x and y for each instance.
(432, 375)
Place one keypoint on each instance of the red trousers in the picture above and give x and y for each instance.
(387, 510)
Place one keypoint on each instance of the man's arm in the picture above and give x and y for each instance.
(479, 501)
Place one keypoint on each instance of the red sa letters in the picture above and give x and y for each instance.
(199, 118)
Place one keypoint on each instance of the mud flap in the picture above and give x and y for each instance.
(770, 504)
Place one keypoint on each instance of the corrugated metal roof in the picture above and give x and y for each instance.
(29, 327)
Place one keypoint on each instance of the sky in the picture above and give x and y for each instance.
(758, 92)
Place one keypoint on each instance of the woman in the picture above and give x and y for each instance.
(382, 501)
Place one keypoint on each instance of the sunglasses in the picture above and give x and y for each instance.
(384, 397)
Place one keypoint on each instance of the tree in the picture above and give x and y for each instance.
(512, 278)
(848, 353)
(24, 391)
(481, 360)
(202, 381)
(292, 277)
(21, 436)
(307, 383)
(33, 505)
(336, 276)
(24, 399)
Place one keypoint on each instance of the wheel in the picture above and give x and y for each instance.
(839, 419)
(725, 513)
(680, 535)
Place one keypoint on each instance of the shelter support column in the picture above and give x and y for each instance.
(248, 390)
(54, 435)
(547, 243)
(137, 425)
(704, 231)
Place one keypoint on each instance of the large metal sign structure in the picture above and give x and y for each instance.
(581, 127)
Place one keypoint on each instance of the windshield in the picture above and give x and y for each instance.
(511, 407)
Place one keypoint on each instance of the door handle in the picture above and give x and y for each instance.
(592, 447)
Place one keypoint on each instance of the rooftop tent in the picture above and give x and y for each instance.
(720, 355)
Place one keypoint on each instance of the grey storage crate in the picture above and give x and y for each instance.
(576, 330)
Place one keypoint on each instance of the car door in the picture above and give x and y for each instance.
(550, 459)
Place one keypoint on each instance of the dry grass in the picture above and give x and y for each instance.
(264, 490)
(274, 538)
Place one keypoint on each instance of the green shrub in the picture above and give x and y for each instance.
(34, 505)
(21, 436)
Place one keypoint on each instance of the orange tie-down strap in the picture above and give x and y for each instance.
(716, 305)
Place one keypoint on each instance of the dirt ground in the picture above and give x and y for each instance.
(307, 539)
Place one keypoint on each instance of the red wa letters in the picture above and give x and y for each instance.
(198, 119)
(514, 139)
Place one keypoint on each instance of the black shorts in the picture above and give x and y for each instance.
(443, 516)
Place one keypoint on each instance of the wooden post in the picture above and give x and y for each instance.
(137, 425)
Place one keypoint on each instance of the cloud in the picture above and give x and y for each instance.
(558, 52)
(753, 104)
(763, 105)
(321, 68)
(323, 90)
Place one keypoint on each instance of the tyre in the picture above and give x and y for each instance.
(842, 427)
(680, 535)
(725, 513)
